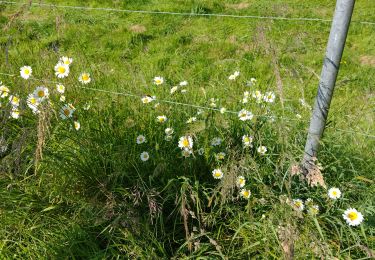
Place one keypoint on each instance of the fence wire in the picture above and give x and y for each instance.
(183, 13)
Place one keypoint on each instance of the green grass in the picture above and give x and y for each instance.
(91, 197)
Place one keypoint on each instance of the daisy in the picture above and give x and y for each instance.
(4, 91)
(174, 89)
(60, 88)
(183, 83)
(158, 80)
(61, 70)
(246, 94)
(186, 153)
(247, 140)
(245, 115)
(245, 100)
(169, 131)
(185, 143)
(15, 113)
(223, 110)
(217, 174)
(145, 156)
(62, 98)
(26, 71)
(334, 193)
(162, 119)
(14, 100)
(251, 82)
(41, 93)
(245, 193)
(314, 209)
(147, 99)
(352, 217)
(258, 96)
(234, 75)
(298, 204)
(262, 150)
(220, 156)
(66, 111)
(216, 141)
(33, 103)
(269, 97)
(241, 181)
(77, 125)
(65, 60)
(191, 120)
(141, 139)
(84, 78)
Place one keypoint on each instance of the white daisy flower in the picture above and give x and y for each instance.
(313, 209)
(217, 174)
(147, 99)
(245, 115)
(32, 103)
(245, 193)
(15, 113)
(183, 83)
(247, 140)
(216, 141)
(4, 91)
(220, 156)
(141, 139)
(251, 82)
(246, 94)
(77, 125)
(67, 111)
(145, 156)
(269, 97)
(66, 60)
(223, 110)
(14, 101)
(185, 142)
(61, 70)
(245, 100)
(62, 98)
(26, 72)
(191, 120)
(162, 119)
(158, 80)
(334, 193)
(352, 217)
(60, 88)
(174, 89)
(234, 75)
(84, 78)
(41, 93)
(241, 181)
(169, 131)
(262, 150)
(186, 153)
(258, 96)
(298, 204)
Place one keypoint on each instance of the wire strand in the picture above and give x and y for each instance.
(185, 14)
(179, 103)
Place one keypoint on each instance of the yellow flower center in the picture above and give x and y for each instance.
(246, 140)
(334, 193)
(40, 93)
(158, 81)
(66, 112)
(353, 216)
(27, 71)
(185, 142)
(33, 101)
(217, 174)
(246, 193)
(67, 62)
(61, 70)
(85, 77)
(298, 204)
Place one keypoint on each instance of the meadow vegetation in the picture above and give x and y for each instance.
(79, 185)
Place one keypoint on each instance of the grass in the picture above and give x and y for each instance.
(91, 197)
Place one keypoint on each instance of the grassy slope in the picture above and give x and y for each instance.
(81, 202)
